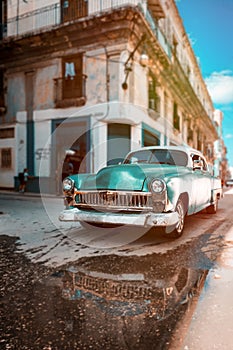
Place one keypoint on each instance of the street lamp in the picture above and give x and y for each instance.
(128, 64)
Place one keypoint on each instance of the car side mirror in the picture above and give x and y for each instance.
(197, 164)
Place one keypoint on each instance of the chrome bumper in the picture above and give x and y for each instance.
(143, 219)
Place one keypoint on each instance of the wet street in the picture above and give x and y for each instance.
(68, 287)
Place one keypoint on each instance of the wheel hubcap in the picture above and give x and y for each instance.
(180, 212)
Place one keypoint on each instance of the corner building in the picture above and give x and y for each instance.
(95, 79)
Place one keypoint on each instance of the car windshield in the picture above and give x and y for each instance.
(158, 156)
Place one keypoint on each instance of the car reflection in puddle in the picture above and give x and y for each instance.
(136, 305)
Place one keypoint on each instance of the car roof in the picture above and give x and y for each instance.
(183, 148)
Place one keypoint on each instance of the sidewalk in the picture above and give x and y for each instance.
(18, 194)
(211, 325)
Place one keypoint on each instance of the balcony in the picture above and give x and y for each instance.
(45, 18)
(58, 13)
(34, 20)
(70, 92)
(65, 11)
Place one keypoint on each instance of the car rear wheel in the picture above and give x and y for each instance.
(213, 208)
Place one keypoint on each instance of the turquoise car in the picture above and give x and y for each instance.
(153, 187)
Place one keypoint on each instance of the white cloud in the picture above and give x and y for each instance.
(229, 136)
(220, 86)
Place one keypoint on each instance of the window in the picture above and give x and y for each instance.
(157, 156)
(6, 158)
(7, 133)
(199, 140)
(72, 77)
(118, 142)
(149, 139)
(190, 131)
(154, 101)
(196, 157)
(176, 118)
(2, 102)
(72, 9)
(3, 18)
(70, 89)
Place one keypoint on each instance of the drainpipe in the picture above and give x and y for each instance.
(17, 18)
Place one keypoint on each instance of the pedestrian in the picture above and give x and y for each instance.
(23, 179)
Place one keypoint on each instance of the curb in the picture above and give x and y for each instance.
(29, 194)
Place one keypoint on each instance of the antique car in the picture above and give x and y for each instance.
(229, 182)
(153, 187)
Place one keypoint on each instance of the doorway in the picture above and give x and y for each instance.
(70, 139)
(118, 142)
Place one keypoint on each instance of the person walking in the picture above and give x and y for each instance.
(23, 179)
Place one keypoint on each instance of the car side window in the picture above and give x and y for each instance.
(197, 158)
(205, 168)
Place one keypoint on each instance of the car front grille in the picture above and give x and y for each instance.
(113, 289)
(118, 200)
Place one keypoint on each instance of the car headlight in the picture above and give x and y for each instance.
(68, 184)
(157, 186)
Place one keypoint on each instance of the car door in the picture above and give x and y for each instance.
(202, 179)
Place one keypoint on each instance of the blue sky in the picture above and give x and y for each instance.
(209, 25)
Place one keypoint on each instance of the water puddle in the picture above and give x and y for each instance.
(139, 299)
(100, 302)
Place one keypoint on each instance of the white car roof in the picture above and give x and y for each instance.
(185, 149)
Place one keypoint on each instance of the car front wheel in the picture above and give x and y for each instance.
(177, 230)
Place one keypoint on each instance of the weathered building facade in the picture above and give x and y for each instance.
(220, 152)
(97, 78)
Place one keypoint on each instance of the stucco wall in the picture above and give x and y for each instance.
(15, 95)
(20, 142)
(96, 77)
(42, 148)
(44, 86)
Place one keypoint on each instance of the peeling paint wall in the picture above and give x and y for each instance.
(15, 95)
(114, 70)
(140, 80)
(44, 86)
(103, 76)
(96, 69)
(21, 143)
(42, 148)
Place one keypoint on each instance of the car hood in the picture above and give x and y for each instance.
(128, 177)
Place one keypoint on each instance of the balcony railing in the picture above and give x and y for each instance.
(53, 15)
(96, 6)
(158, 33)
(34, 20)
(70, 91)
